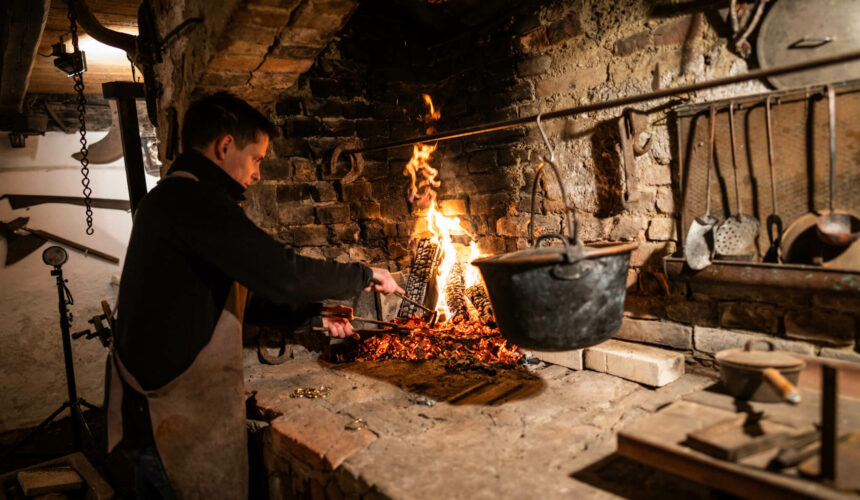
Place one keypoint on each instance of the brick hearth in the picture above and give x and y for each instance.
(533, 432)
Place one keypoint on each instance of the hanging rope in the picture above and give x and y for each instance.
(78, 77)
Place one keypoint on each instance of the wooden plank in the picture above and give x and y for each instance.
(740, 436)
(655, 441)
(97, 487)
(42, 481)
(806, 412)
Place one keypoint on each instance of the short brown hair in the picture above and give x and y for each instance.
(220, 114)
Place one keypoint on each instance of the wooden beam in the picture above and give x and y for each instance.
(23, 22)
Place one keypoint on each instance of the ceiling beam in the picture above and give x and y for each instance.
(23, 22)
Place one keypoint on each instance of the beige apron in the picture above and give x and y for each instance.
(198, 418)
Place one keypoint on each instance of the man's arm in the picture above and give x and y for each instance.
(221, 234)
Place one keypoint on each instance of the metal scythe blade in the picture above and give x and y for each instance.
(19, 245)
(109, 148)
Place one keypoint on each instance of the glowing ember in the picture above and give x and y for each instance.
(456, 339)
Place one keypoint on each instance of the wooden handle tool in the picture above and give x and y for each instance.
(786, 389)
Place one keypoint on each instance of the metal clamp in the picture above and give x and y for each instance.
(356, 161)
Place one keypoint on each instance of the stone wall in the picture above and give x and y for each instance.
(365, 88)
(253, 48)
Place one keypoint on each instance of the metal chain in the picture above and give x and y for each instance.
(82, 117)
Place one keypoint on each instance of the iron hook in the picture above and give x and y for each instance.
(545, 139)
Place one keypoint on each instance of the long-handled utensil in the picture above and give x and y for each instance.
(736, 236)
(837, 228)
(773, 223)
(370, 331)
(407, 299)
(699, 245)
(433, 313)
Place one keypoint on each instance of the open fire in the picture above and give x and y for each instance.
(465, 326)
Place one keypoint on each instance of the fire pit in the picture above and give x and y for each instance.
(461, 338)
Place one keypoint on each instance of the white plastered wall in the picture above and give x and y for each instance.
(32, 375)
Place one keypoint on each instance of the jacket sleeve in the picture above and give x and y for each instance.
(222, 235)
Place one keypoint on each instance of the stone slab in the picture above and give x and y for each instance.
(647, 365)
(845, 354)
(553, 372)
(665, 333)
(318, 436)
(569, 359)
(713, 340)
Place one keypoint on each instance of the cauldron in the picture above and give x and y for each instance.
(558, 298)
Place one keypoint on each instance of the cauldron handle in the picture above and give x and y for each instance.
(572, 223)
(571, 254)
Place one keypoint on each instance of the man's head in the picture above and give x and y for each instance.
(231, 133)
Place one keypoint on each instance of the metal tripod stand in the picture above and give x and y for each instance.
(74, 403)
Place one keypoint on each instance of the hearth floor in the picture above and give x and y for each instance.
(541, 432)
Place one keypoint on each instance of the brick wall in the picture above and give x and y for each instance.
(366, 85)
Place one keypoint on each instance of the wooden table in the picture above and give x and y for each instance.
(658, 441)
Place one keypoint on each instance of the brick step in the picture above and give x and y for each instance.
(647, 365)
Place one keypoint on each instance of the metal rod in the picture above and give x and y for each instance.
(831, 113)
(376, 321)
(669, 92)
(407, 299)
(413, 302)
(829, 432)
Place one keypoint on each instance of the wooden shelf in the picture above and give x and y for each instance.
(792, 276)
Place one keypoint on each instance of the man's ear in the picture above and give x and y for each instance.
(222, 145)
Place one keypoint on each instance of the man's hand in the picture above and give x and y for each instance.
(338, 327)
(383, 282)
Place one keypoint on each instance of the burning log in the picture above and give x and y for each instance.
(477, 294)
(423, 268)
(455, 292)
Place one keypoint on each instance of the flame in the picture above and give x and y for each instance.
(422, 194)
(423, 175)
(433, 114)
(470, 335)
(471, 273)
(442, 228)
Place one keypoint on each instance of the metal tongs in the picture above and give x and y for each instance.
(346, 313)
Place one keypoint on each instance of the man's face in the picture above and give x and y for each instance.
(243, 164)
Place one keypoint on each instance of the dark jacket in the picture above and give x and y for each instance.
(189, 243)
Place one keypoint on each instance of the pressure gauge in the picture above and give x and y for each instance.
(55, 256)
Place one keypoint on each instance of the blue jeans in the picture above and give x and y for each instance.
(150, 478)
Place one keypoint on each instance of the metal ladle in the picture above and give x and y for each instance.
(699, 245)
(836, 228)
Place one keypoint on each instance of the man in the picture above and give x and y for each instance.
(176, 392)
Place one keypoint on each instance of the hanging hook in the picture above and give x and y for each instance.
(545, 140)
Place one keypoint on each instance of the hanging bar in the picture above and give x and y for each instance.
(502, 125)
